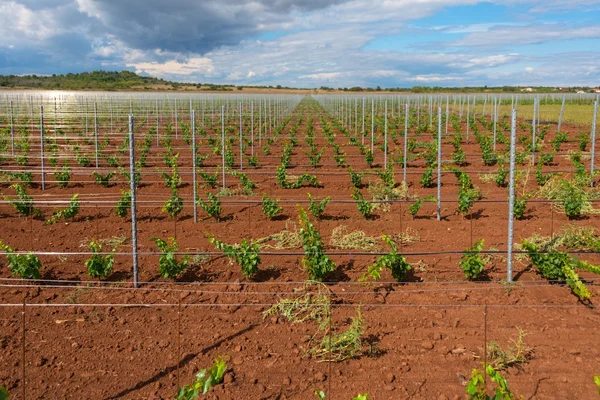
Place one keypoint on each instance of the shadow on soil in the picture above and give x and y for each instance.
(185, 360)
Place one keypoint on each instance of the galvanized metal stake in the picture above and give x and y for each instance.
(385, 139)
(593, 138)
(12, 129)
(562, 110)
(223, 142)
(241, 141)
(533, 132)
(96, 130)
(439, 166)
(405, 137)
(372, 123)
(132, 183)
(511, 195)
(42, 145)
(195, 189)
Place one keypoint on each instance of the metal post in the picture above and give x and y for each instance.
(447, 111)
(439, 166)
(511, 195)
(133, 201)
(372, 123)
(362, 132)
(12, 129)
(562, 110)
(252, 130)
(157, 136)
(96, 130)
(176, 121)
(533, 131)
(241, 141)
(468, 110)
(42, 145)
(195, 193)
(593, 138)
(405, 137)
(495, 120)
(385, 139)
(223, 142)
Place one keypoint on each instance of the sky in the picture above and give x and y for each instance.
(309, 43)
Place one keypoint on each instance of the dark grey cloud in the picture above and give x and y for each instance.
(190, 25)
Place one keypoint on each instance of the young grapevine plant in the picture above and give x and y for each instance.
(25, 266)
(317, 209)
(471, 261)
(99, 266)
(476, 389)
(393, 261)
(68, 213)
(205, 380)
(24, 204)
(365, 207)
(270, 207)
(245, 254)
(316, 262)
(168, 266)
(212, 206)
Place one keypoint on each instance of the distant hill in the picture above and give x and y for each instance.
(127, 80)
(96, 80)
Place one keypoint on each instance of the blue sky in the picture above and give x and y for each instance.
(310, 43)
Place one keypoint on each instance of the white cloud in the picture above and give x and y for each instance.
(251, 74)
(528, 69)
(193, 66)
(529, 34)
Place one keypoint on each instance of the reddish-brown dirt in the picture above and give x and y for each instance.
(422, 339)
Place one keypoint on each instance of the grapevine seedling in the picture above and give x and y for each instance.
(364, 207)
(427, 178)
(168, 266)
(174, 205)
(24, 205)
(245, 254)
(356, 178)
(25, 266)
(471, 262)
(416, 206)
(317, 209)
(97, 265)
(393, 261)
(559, 266)
(103, 180)
(63, 176)
(205, 380)
(212, 206)
(68, 213)
(211, 180)
(321, 396)
(476, 387)
(270, 207)
(316, 262)
(124, 203)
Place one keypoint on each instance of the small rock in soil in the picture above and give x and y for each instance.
(389, 377)
(427, 345)
(320, 377)
(389, 388)
(287, 381)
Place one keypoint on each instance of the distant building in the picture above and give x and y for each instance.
(527, 89)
